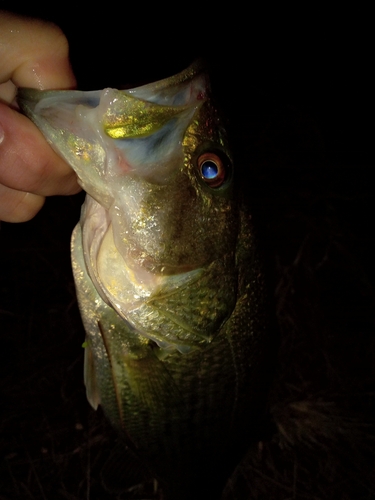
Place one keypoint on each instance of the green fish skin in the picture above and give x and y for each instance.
(167, 273)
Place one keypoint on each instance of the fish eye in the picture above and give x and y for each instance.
(212, 169)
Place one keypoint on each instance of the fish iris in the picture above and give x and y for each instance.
(212, 169)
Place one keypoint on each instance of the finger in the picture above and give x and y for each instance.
(8, 92)
(17, 206)
(28, 163)
(33, 53)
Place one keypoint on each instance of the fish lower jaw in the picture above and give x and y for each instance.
(127, 283)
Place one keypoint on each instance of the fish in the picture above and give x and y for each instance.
(168, 274)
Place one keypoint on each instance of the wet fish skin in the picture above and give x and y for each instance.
(167, 272)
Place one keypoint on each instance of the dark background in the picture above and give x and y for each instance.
(297, 91)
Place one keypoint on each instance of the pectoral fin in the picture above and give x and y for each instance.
(89, 376)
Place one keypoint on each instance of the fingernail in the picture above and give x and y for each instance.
(1, 134)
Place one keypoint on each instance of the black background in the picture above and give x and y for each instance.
(296, 88)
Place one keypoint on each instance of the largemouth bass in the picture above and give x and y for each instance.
(167, 274)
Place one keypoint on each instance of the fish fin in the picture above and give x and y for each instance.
(89, 376)
(137, 363)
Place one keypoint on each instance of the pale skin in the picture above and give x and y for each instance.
(33, 53)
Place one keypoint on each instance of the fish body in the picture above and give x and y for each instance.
(167, 273)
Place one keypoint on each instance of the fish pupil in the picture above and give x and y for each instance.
(209, 169)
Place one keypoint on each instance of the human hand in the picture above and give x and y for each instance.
(33, 53)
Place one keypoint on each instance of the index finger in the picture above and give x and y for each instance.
(33, 53)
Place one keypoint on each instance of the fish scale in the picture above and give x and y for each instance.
(168, 276)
